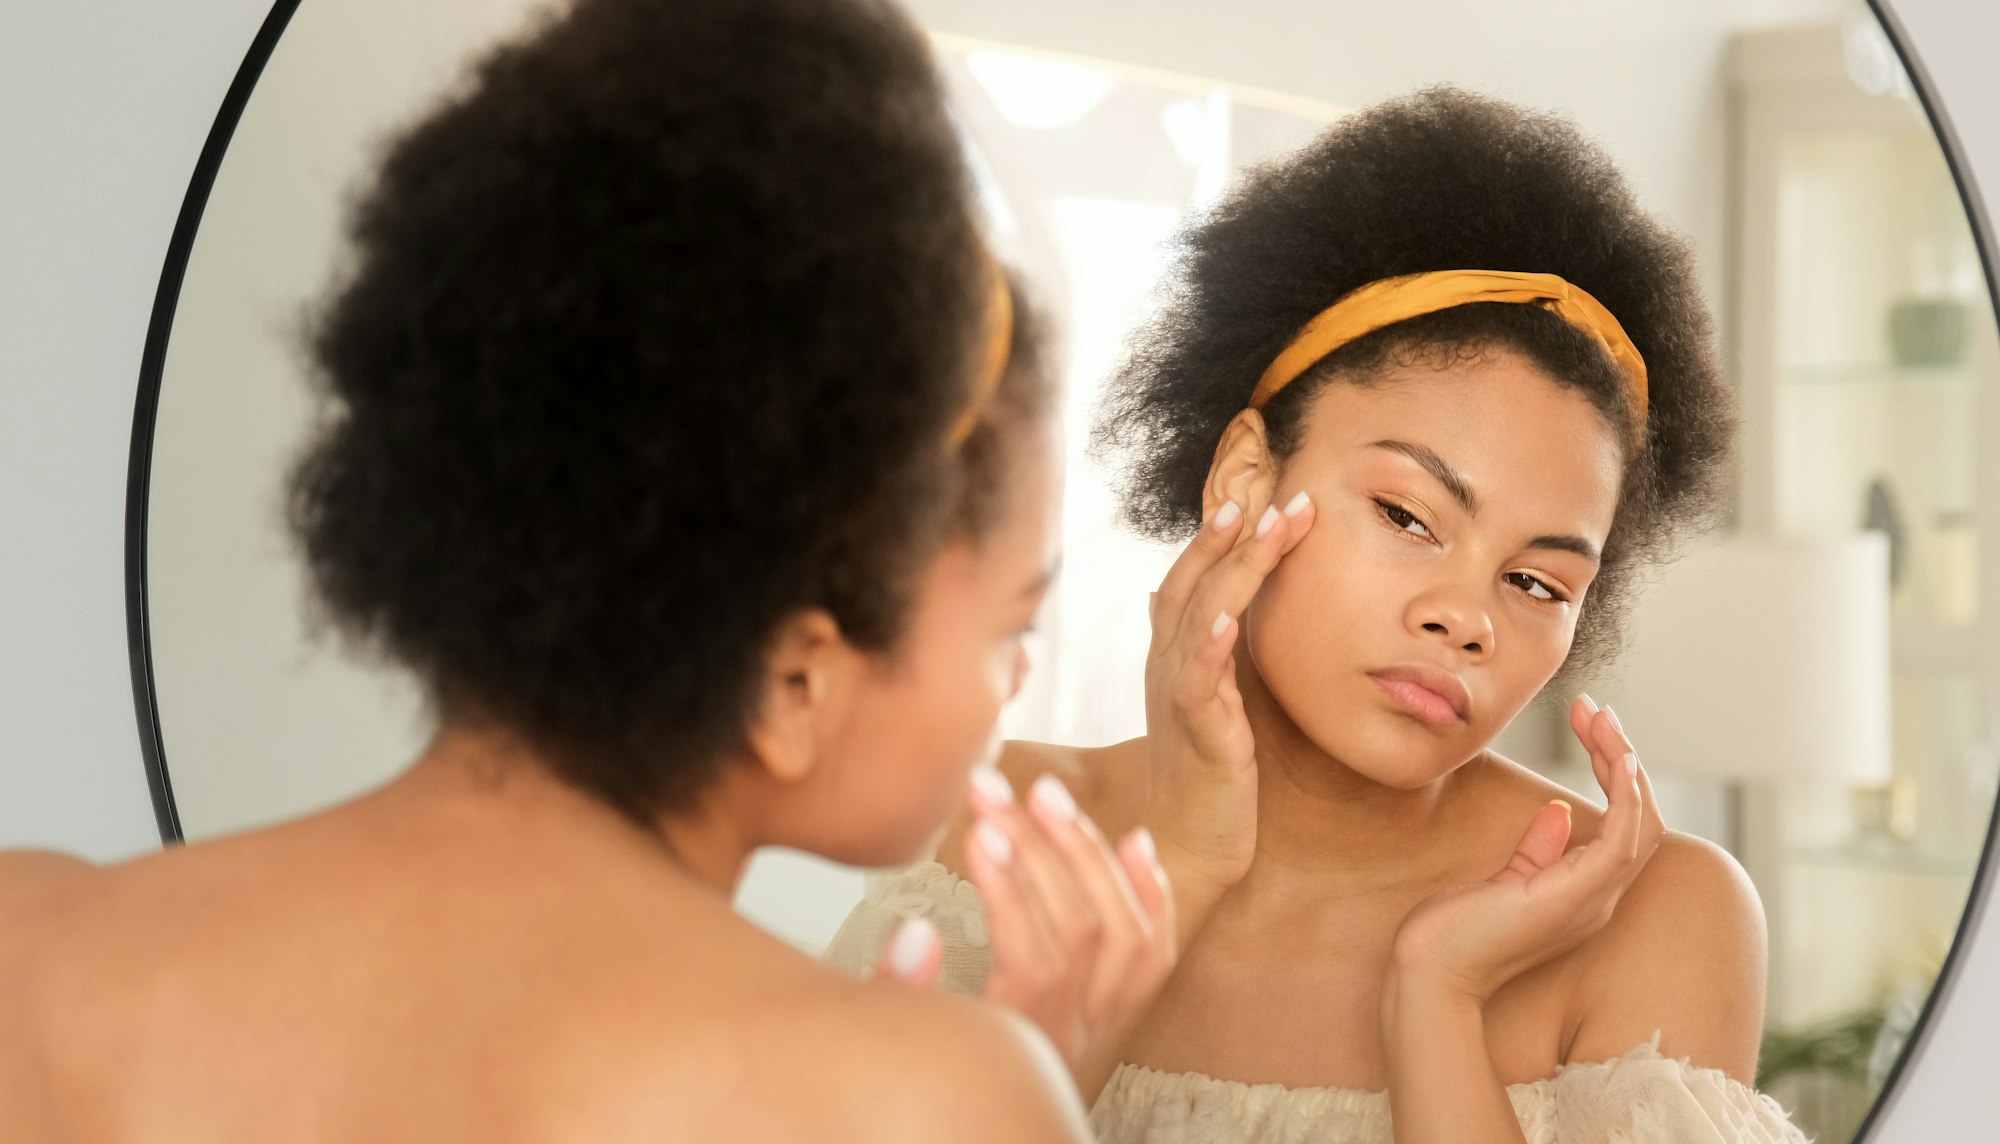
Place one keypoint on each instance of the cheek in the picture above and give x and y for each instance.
(1336, 589)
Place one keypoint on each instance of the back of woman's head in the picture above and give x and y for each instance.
(1441, 180)
(656, 333)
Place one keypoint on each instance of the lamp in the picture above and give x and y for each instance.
(1755, 660)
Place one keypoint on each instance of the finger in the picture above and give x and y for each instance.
(1582, 714)
(1541, 844)
(1052, 889)
(1010, 843)
(1141, 859)
(1612, 855)
(1651, 825)
(914, 956)
(1118, 927)
(1215, 540)
(1229, 585)
(1027, 953)
(1026, 958)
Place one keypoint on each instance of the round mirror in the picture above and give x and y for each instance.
(1813, 690)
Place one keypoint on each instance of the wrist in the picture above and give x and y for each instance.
(1197, 884)
(1419, 1007)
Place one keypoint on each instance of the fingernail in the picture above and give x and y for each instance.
(1631, 765)
(994, 841)
(1221, 625)
(1265, 522)
(913, 941)
(1148, 849)
(1227, 515)
(992, 785)
(1613, 715)
(1562, 802)
(1589, 704)
(1053, 796)
(1297, 504)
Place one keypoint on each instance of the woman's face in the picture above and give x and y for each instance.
(925, 713)
(1461, 513)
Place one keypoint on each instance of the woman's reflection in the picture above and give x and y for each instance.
(1428, 397)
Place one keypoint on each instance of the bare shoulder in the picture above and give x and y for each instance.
(888, 1063)
(32, 880)
(1684, 954)
(1109, 784)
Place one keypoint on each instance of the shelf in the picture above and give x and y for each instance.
(1887, 858)
(1956, 376)
(1930, 647)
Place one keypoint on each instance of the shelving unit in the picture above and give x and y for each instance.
(1868, 359)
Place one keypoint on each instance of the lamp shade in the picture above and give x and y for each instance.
(1759, 660)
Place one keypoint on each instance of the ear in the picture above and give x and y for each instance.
(807, 678)
(1243, 470)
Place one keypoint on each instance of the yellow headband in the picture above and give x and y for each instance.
(993, 363)
(1392, 300)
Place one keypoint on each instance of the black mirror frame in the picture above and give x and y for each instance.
(153, 363)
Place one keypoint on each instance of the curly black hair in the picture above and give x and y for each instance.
(1439, 180)
(656, 334)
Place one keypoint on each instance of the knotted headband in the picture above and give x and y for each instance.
(1393, 300)
(992, 362)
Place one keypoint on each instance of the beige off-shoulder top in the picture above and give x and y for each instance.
(1638, 1098)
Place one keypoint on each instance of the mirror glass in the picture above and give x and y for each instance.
(1838, 642)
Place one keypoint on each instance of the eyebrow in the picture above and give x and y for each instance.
(1576, 544)
(1461, 492)
(1437, 467)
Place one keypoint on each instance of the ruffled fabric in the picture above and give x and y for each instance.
(924, 890)
(1638, 1098)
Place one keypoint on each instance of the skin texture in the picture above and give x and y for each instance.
(1369, 893)
(477, 951)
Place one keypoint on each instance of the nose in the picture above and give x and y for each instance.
(1457, 615)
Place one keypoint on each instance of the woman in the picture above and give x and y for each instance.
(1428, 396)
(684, 442)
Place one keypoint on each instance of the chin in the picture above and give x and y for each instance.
(1398, 752)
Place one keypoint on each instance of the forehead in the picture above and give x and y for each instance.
(1523, 442)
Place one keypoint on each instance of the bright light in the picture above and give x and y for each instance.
(1034, 91)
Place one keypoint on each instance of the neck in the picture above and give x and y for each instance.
(477, 779)
(1323, 827)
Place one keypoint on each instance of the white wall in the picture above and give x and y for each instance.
(105, 108)
(261, 718)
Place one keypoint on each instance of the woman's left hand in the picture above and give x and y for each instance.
(1470, 940)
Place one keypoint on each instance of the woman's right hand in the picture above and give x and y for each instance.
(1202, 802)
(1083, 935)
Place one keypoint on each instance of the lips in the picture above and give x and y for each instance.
(1429, 693)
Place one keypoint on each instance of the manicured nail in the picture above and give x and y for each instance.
(913, 941)
(1221, 625)
(1227, 515)
(992, 785)
(994, 841)
(1589, 704)
(1297, 504)
(1631, 765)
(1265, 522)
(1142, 838)
(1051, 795)
(1613, 715)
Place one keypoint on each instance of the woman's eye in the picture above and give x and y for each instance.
(1532, 586)
(1403, 518)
